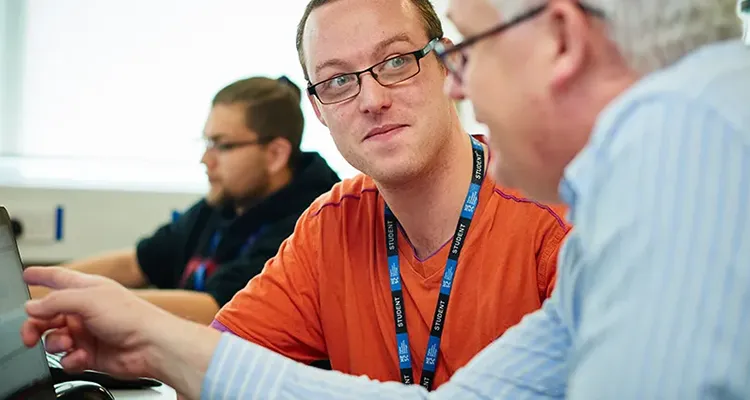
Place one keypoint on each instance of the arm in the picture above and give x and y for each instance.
(163, 255)
(555, 231)
(666, 231)
(528, 361)
(135, 268)
(229, 279)
(194, 306)
(233, 276)
(121, 266)
(279, 308)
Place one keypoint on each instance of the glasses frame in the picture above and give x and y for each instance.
(418, 54)
(443, 51)
(229, 146)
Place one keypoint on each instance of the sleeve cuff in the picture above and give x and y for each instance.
(240, 369)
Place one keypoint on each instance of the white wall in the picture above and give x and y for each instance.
(4, 95)
(11, 30)
(3, 73)
(132, 80)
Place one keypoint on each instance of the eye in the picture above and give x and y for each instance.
(339, 81)
(396, 62)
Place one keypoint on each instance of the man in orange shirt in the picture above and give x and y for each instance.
(366, 279)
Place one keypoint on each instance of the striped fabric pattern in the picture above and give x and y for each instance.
(653, 294)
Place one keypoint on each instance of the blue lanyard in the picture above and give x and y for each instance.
(441, 310)
(199, 276)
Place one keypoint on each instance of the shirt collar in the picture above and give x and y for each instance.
(579, 172)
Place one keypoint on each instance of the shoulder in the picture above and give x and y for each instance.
(198, 208)
(346, 197)
(712, 82)
(195, 217)
(699, 101)
(551, 216)
(350, 201)
(279, 230)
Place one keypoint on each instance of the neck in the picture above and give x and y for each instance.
(596, 93)
(428, 207)
(276, 182)
(279, 180)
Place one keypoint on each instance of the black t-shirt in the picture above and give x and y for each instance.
(220, 252)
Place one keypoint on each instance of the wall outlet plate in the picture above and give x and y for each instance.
(38, 225)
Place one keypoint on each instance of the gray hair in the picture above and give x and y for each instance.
(653, 34)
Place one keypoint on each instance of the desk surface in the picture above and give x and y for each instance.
(162, 392)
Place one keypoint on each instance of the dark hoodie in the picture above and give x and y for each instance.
(210, 249)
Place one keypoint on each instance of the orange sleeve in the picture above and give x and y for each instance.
(279, 308)
(555, 231)
(551, 285)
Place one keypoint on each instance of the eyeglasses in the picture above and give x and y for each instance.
(455, 58)
(223, 147)
(393, 70)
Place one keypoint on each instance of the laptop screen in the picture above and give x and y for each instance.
(21, 368)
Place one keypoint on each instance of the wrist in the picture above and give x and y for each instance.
(156, 339)
(179, 353)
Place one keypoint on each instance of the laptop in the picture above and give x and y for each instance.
(33, 374)
(24, 372)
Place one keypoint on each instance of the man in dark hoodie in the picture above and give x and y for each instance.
(261, 182)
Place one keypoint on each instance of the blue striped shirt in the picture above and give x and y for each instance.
(653, 293)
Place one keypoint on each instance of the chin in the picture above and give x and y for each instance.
(215, 197)
(393, 171)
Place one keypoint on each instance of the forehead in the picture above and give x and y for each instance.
(474, 16)
(226, 120)
(350, 29)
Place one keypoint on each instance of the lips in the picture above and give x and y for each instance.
(383, 130)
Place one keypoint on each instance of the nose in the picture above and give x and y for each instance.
(373, 97)
(208, 159)
(453, 88)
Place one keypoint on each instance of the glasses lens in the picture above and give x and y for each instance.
(338, 88)
(209, 143)
(397, 69)
(454, 61)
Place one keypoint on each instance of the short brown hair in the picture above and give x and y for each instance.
(272, 109)
(430, 20)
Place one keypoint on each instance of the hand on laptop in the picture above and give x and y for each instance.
(94, 319)
(105, 327)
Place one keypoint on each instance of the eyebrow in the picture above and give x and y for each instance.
(215, 136)
(380, 47)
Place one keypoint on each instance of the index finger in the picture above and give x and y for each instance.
(58, 278)
(33, 329)
(66, 301)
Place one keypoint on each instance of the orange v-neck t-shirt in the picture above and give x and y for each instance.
(327, 295)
